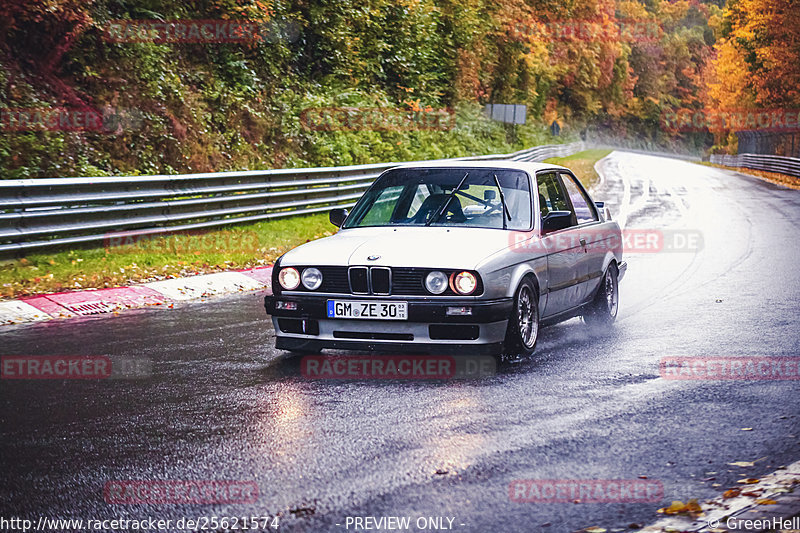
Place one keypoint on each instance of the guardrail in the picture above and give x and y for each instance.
(769, 163)
(42, 213)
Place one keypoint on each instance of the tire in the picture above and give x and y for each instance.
(523, 324)
(603, 309)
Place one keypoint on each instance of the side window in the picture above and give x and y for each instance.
(551, 195)
(420, 195)
(584, 211)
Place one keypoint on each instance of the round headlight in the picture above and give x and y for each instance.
(436, 282)
(289, 278)
(464, 282)
(312, 278)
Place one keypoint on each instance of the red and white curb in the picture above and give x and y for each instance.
(156, 293)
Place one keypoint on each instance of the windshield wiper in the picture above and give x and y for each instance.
(502, 201)
(447, 202)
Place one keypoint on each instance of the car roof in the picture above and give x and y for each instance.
(505, 164)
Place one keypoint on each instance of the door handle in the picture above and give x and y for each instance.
(583, 242)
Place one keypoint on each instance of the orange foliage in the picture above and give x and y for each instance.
(758, 63)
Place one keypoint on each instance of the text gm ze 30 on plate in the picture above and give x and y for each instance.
(452, 257)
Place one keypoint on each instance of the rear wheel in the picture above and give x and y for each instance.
(603, 309)
(523, 325)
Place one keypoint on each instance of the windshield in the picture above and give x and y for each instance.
(420, 197)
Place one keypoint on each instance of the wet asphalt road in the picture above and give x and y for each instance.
(223, 404)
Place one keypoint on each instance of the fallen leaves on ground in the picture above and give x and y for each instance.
(752, 493)
(774, 177)
(741, 463)
(732, 493)
(691, 508)
(749, 481)
(766, 501)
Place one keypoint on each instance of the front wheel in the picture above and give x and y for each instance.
(603, 309)
(523, 325)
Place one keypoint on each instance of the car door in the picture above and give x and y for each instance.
(564, 250)
(589, 268)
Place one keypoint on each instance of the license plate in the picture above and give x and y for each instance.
(368, 310)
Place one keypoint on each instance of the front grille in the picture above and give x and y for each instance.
(359, 283)
(409, 281)
(381, 280)
(334, 280)
(370, 280)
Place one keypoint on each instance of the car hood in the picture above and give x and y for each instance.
(427, 247)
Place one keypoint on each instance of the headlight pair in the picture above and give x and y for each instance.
(290, 278)
(463, 282)
(436, 282)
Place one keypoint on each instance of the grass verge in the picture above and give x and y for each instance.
(123, 262)
(582, 164)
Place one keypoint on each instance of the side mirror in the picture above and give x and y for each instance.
(337, 216)
(556, 220)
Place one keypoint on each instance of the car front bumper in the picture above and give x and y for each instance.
(428, 329)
